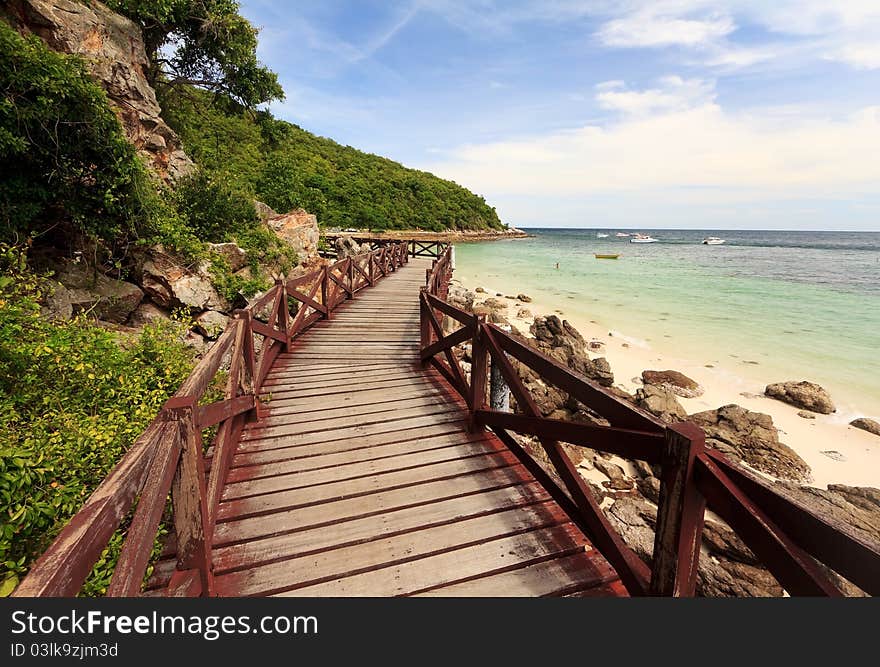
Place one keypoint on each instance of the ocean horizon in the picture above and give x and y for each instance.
(768, 304)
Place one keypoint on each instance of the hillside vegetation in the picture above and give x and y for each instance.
(285, 166)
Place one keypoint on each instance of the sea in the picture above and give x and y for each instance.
(774, 305)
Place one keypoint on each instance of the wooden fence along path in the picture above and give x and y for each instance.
(351, 456)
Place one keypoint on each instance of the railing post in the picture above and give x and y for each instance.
(479, 372)
(189, 496)
(424, 322)
(680, 514)
(325, 290)
(284, 313)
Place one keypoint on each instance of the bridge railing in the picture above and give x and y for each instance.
(430, 249)
(168, 459)
(792, 541)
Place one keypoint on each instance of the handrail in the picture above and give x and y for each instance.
(168, 458)
(789, 538)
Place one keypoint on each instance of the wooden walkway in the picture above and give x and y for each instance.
(362, 480)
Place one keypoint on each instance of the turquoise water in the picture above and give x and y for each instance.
(768, 305)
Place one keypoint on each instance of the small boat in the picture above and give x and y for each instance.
(642, 238)
(621, 235)
(712, 240)
(599, 256)
(600, 235)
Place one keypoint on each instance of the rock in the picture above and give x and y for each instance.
(679, 383)
(833, 454)
(346, 246)
(235, 256)
(751, 437)
(748, 394)
(494, 304)
(113, 49)
(560, 340)
(807, 395)
(480, 290)
(460, 297)
(634, 518)
(171, 285)
(195, 340)
(145, 314)
(866, 424)
(510, 296)
(660, 401)
(524, 298)
(596, 345)
(80, 290)
(264, 211)
(211, 324)
(298, 228)
(524, 313)
(805, 414)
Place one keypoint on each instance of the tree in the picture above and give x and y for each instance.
(205, 43)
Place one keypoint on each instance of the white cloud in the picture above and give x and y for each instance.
(649, 29)
(673, 93)
(860, 56)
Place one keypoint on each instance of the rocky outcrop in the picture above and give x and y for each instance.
(460, 297)
(660, 401)
(752, 438)
(728, 568)
(172, 285)
(81, 290)
(231, 253)
(211, 324)
(346, 246)
(679, 383)
(298, 228)
(866, 424)
(113, 47)
(806, 395)
(560, 340)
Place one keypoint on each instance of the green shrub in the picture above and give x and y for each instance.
(72, 400)
(214, 210)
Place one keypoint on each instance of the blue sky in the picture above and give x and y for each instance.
(671, 113)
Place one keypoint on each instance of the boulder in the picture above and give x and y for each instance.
(806, 415)
(866, 424)
(524, 298)
(235, 256)
(679, 383)
(113, 49)
(171, 285)
(80, 290)
(211, 324)
(856, 507)
(264, 211)
(146, 313)
(660, 401)
(460, 297)
(524, 313)
(494, 304)
(752, 438)
(299, 228)
(560, 340)
(346, 246)
(806, 395)
(480, 290)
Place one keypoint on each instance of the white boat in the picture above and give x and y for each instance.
(641, 238)
(712, 240)
(621, 234)
(600, 235)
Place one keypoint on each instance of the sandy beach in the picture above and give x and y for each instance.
(836, 452)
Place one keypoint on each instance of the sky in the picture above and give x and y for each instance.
(724, 114)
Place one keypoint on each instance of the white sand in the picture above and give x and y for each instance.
(858, 449)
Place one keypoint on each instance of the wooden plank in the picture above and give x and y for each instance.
(343, 393)
(324, 568)
(371, 527)
(281, 453)
(493, 556)
(288, 499)
(559, 576)
(355, 470)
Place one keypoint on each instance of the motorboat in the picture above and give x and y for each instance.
(642, 238)
(621, 235)
(712, 240)
(600, 235)
(601, 256)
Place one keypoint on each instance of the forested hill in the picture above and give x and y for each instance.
(285, 166)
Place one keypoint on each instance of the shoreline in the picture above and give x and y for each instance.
(457, 236)
(629, 356)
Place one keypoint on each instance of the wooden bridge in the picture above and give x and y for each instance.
(350, 456)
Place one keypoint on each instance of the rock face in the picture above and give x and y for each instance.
(114, 49)
(679, 383)
(751, 437)
(171, 285)
(81, 290)
(866, 424)
(806, 395)
(146, 313)
(660, 401)
(298, 228)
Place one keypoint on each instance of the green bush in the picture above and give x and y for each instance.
(214, 210)
(72, 400)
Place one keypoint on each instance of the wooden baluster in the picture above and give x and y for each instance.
(189, 497)
(680, 514)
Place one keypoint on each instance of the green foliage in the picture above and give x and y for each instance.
(72, 400)
(212, 46)
(287, 167)
(214, 211)
(63, 154)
